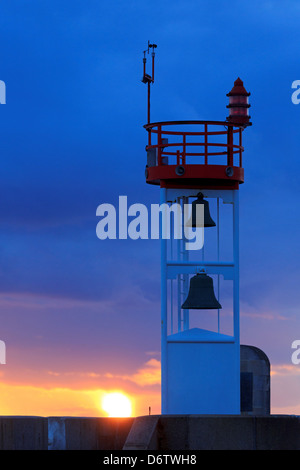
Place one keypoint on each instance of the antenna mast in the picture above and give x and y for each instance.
(148, 79)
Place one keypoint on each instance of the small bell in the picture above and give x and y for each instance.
(208, 221)
(201, 294)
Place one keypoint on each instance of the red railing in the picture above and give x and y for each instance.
(183, 148)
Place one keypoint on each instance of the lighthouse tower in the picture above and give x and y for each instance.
(198, 168)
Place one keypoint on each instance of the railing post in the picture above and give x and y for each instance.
(184, 149)
(205, 144)
(241, 150)
(159, 142)
(230, 146)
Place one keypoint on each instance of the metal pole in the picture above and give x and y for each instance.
(218, 254)
(185, 257)
(164, 385)
(236, 306)
(179, 281)
(148, 102)
(171, 282)
(236, 263)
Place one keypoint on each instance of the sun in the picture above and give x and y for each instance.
(117, 405)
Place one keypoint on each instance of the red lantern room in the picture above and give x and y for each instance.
(197, 154)
(238, 104)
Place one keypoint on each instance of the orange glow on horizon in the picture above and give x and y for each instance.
(80, 393)
(24, 399)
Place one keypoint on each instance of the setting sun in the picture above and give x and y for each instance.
(117, 405)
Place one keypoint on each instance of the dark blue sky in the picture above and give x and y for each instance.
(72, 137)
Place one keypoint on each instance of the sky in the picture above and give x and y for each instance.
(80, 316)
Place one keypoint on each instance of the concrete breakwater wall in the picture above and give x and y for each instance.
(159, 432)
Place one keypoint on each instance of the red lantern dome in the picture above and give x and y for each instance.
(238, 104)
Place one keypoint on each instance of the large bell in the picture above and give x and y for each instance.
(208, 221)
(201, 294)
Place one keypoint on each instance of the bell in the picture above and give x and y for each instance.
(201, 293)
(208, 221)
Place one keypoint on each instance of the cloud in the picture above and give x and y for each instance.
(284, 370)
(285, 389)
(264, 315)
(147, 375)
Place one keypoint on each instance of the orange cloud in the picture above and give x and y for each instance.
(285, 369)
(147, 375)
